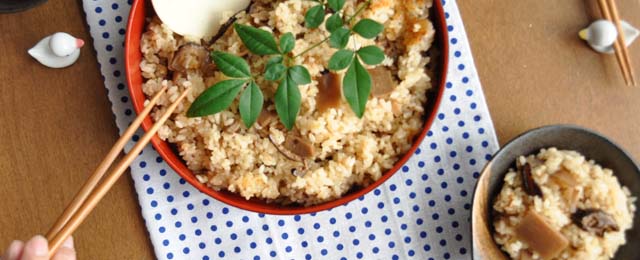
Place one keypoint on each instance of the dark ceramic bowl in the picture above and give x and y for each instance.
(12, 6)
(135, 28)
(566, 137)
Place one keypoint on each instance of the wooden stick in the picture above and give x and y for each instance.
(625, 52)
(102, 189)
(93, 180)
(616, 46)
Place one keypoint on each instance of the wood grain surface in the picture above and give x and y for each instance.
(56, 125)
(535, 70)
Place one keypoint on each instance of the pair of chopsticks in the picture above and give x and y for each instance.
(610, 12)
(92, 191)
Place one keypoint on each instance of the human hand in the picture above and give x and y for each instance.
(38, 249)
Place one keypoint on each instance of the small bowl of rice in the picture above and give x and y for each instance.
(557, 192)
(330, 156)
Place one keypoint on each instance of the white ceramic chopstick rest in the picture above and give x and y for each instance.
(602, 34)
(58, 50)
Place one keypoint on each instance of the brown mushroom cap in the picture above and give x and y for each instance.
(294, 148)
(190, 56)
(594, 221)
(299, 146)
(529, 184)
(266, 117)
(263, 123)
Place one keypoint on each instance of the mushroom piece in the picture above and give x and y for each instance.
(209, 69)
(594, 221)
(382, 81)
(190, 56)
(530, 185)
(299, 146)
(286, 153)
(540, 236)
(329, 91)
(266, 117)
(294, 148)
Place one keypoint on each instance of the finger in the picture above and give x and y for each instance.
(35, 249)
(66, 251)
(13, 253)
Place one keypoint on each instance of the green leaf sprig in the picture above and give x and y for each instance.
(260, 42)
(280, 66)
(356, 84)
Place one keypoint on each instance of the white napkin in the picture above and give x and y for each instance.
(422, 212)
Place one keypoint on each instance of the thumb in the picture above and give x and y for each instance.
(36, 249)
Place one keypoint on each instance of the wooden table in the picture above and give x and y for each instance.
(535, 70)
(57, 124)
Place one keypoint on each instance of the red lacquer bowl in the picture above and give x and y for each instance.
(133, 56)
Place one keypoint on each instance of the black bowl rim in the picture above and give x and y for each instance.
(19, 6)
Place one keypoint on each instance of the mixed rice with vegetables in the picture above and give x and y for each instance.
(559, 205)
(329, 150)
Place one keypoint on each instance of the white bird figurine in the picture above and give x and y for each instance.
(58, 50)
(602, 34)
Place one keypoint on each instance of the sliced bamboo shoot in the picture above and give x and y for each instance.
(540, 236)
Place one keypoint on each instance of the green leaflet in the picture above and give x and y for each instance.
(216, 98)
(314, 16)
(339, 38)
(231, 65)
(274, 59)
(341, 60)
(275, 71)
(287, 42)
(251, 102)
(368, 28)
(336, 5)
(371, 55)
(287, 100)
(258, 41)
(356, 87)
(300, 75)
(334, 22)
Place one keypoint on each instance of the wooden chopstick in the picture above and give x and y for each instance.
(604, 8)
(101, 190)
(625, 52)
(93, 180)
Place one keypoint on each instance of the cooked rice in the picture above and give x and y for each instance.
(597, 187)
(350, 152)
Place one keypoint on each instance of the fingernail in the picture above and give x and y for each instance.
(68, 243)
(39, 246)
(14, 249)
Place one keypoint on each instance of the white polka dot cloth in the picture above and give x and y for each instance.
(423, 212)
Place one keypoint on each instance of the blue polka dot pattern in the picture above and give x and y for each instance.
(422, 212)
